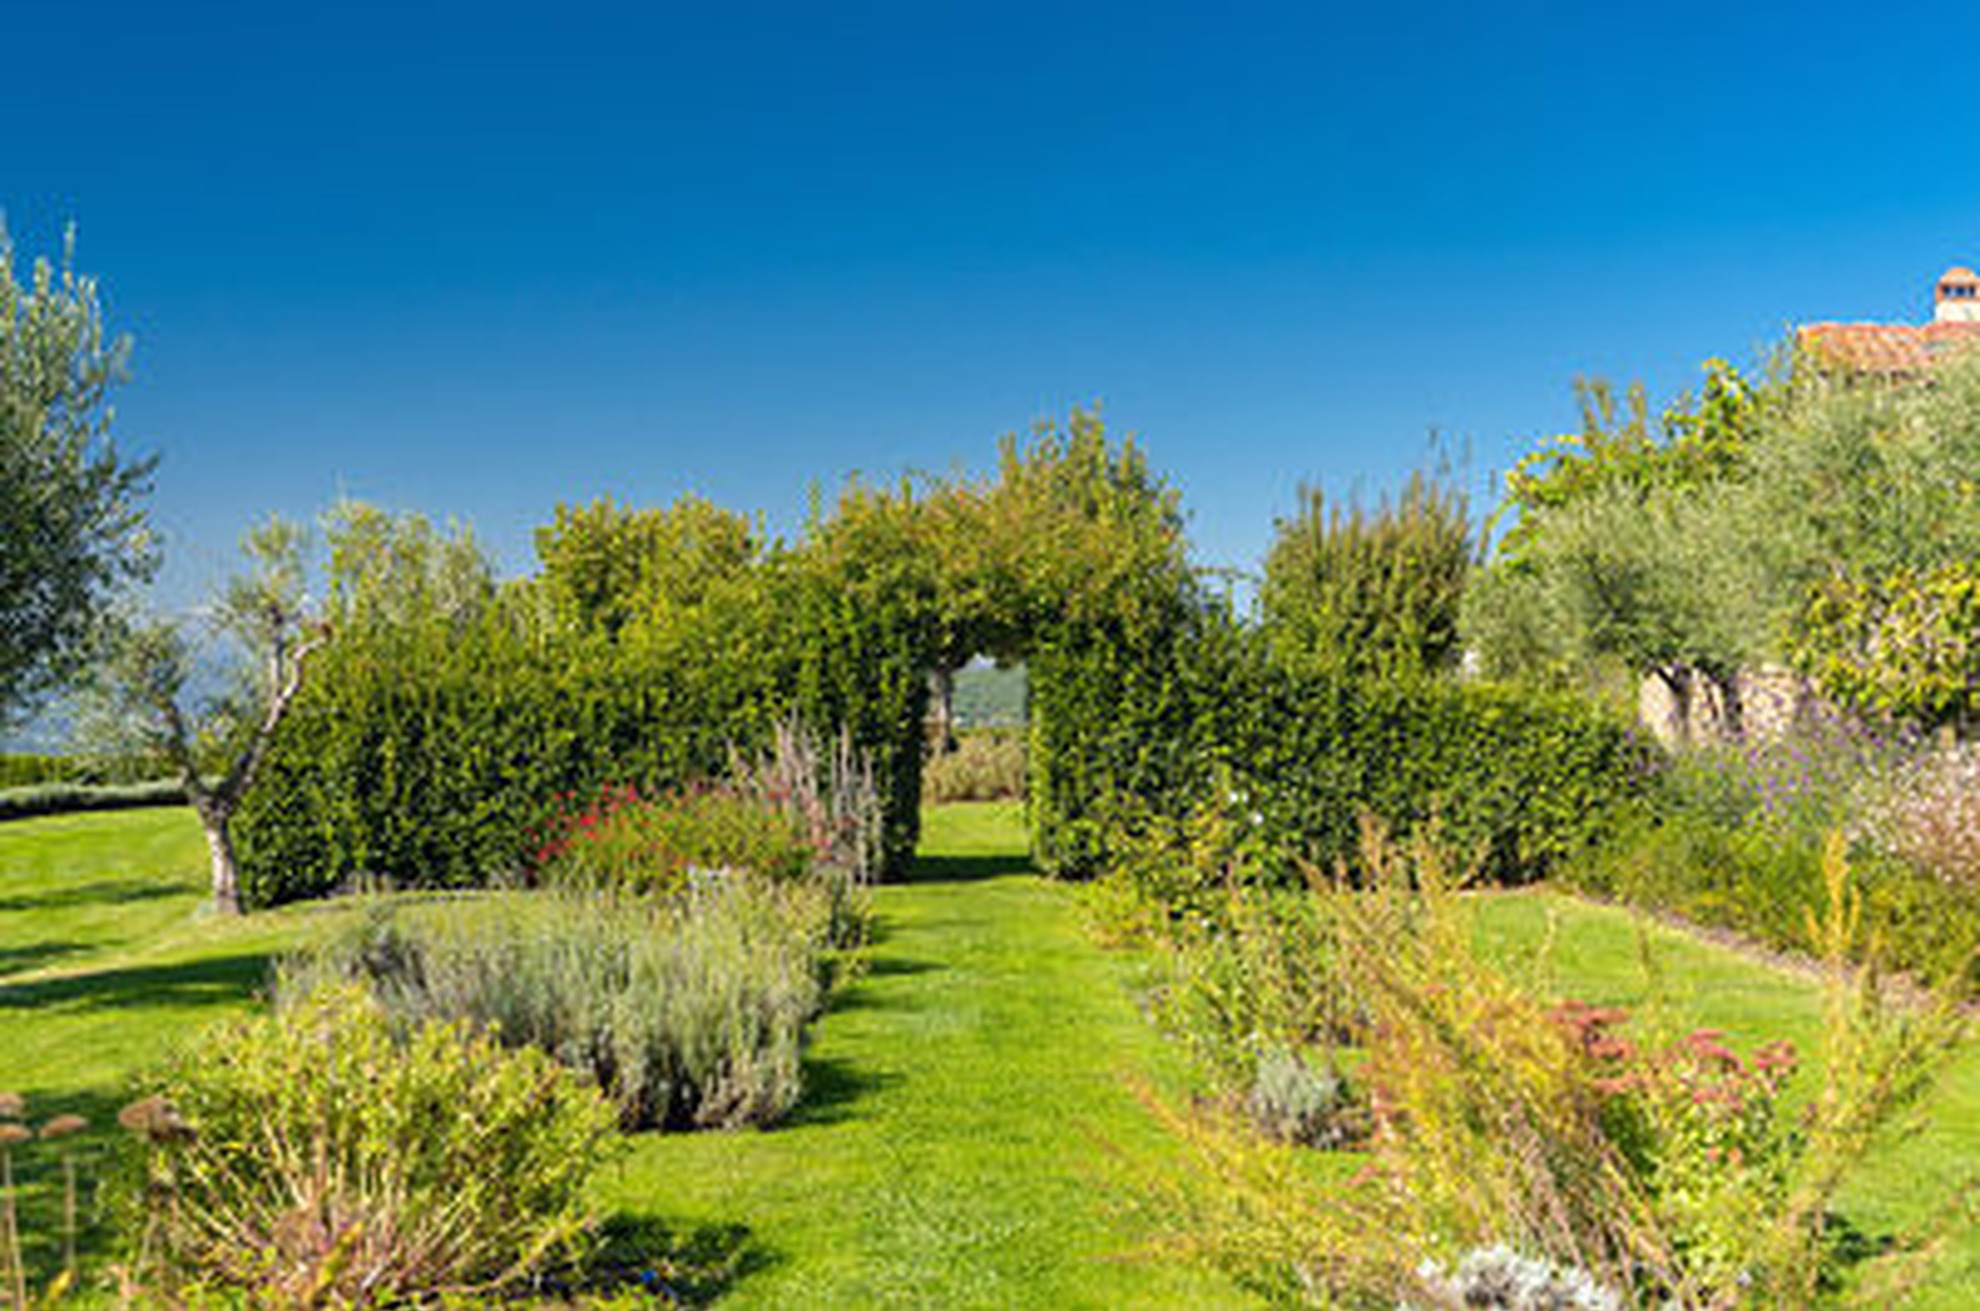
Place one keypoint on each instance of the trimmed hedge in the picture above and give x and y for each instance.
(430, 756)
(69, 798)
(1133, 724)
(19, 769)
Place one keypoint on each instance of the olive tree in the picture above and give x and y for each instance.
(72, 531)
(1630, 546)
(146, 688)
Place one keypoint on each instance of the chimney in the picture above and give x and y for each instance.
(1957, 297)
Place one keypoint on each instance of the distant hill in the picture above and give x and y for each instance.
(989, 697)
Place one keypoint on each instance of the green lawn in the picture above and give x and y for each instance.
(968, 1133)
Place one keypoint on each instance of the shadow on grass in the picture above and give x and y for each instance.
(38, 955)
(863, 997)
(208, 981)
(1854, 1246)
(833, 1090)
(105, 891)
(966, 869)
(675, 1265)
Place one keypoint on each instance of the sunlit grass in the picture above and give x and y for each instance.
(968, 1137)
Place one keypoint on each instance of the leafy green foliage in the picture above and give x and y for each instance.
(1370, 593)
(1624, 548)
(608, 567)
(72, 530)
(70, 798)
(318, 1155)
(431, 747)
(1696, 442)
(1132, 729)
(1906, 644)
(1810, 519)
(1075, 527)
(26, 769)
(1765, 885)
(23, 769)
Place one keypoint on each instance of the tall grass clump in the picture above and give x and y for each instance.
(325, 1157)
(988, 764)
(824, 786)
(686, 1012)
(1521, 1142)
(829, 790)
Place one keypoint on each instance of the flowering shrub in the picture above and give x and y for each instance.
(1497, 1276)
(1930, 816)
(827, 788)
(1737, 834)
(622, 841)
(1798, 786)
(1702, 1131)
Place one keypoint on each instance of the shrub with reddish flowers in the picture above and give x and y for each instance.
(1701, 1129)
(621, 841)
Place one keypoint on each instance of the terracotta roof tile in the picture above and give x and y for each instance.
(1892, 348)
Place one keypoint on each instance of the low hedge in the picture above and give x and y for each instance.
(67, 798)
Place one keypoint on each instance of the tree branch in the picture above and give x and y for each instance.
(286, 684)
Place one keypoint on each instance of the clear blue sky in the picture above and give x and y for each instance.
(473, 260)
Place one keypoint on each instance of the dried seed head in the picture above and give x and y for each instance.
(12, 1104)
(64, 1125)
(155, 1118)
(13, 1133)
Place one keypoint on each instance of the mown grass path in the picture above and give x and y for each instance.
(971, 1137)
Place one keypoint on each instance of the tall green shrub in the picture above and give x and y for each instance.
(1370, 592)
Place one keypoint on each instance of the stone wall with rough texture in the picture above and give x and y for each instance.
(1771, 702)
